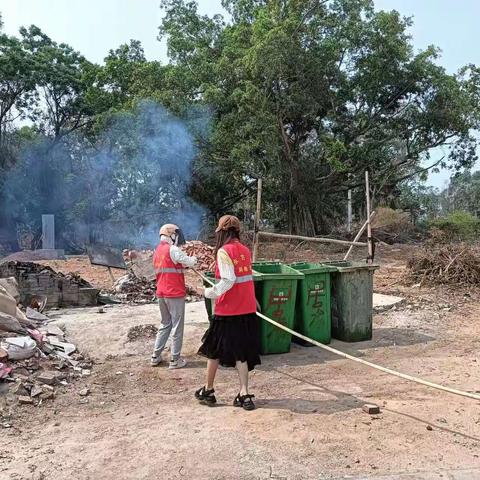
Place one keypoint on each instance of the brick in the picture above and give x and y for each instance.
(24, 400)
(36, 390)
(371, 409)
(47, 378)
(47, 395)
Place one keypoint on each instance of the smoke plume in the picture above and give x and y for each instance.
(117, 189)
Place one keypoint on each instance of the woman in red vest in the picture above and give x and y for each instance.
(233, 339)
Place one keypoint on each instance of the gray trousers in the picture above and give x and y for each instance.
(172, 312)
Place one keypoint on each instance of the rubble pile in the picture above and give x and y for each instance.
(36, 280)
(139, 284)
(139, 332)
(131, 289)
(204, 253)
(456, 263)
(35, 357)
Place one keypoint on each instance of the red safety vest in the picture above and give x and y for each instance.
(170, 278)
(240, 299)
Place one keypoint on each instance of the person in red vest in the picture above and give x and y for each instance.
(168, 262)
(233, 338)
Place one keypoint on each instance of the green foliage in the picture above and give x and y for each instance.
(463, 193)
(305, 94)
(458, 226)
(421, 201)
(309, 94)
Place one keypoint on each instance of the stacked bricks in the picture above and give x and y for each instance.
(60, 290)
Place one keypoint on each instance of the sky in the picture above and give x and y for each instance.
(93, 27)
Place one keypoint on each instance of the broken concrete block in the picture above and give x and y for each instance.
(19, 348)
(35, 391)
(20, 390)
(10, 284)
(47, 395)
(37, 316)
(48, 378)
(84, 392)
(24, 400)
(8, 304)
(8, 323)
(64, 347)
(54, 330)
(47, 348)
(371, 409)
(383, 302)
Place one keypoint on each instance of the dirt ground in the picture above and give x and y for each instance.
(141, 422)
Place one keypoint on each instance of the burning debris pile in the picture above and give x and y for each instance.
(131, 289)
(457, 264)
(35, 357)
(139, 285)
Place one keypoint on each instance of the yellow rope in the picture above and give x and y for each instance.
(356, 359)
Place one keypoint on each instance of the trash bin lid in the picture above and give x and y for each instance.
(350, 266)
(275, 270)
(308, 268)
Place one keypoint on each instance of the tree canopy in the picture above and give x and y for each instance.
(305, 94)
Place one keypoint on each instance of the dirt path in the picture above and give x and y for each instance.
(143, 423)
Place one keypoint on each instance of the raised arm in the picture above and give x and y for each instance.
(179, 256)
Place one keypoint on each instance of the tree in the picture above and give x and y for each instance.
(17, 90)
(62, 78)
(463, 193)
(309, 94)
(420, 200)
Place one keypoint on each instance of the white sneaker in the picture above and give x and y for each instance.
(180, 363)
(155, 361)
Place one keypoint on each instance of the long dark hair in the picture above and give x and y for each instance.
(224, 236)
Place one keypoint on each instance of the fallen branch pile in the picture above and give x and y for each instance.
(446, 264)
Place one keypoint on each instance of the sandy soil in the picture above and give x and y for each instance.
(143, 423)
(97, 275)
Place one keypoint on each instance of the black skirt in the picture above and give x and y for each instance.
(232, 339)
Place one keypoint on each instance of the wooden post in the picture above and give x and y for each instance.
(358, 235)
(349, 211)
(257, 220)
(369, 226)
(111, 275)
(311, 239)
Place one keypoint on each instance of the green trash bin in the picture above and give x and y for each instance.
(352, 300)
(276, 292)
(313, 312)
